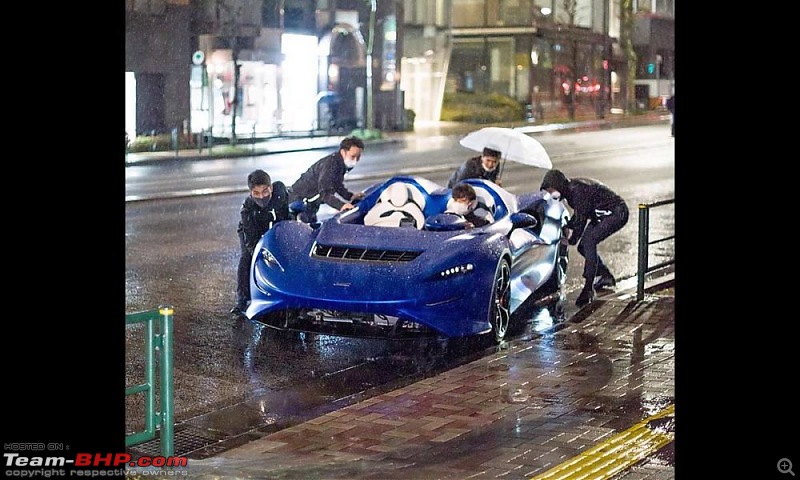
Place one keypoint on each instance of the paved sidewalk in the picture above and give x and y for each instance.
(590, 398)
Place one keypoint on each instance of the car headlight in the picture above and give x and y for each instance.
(270, 259)
(457, 270)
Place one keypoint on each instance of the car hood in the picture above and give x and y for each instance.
(406, 238)
(376, 259)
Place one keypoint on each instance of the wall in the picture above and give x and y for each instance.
(160, 45)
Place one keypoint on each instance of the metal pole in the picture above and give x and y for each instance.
(644, 214)
(373, 5)
(606, 92)
(167, 427)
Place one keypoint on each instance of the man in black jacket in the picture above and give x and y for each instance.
(267, 204)
(481, 166)
(325, 179)
(597, 213)
(671, 108)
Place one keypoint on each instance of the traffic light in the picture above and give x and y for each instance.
(651, 68)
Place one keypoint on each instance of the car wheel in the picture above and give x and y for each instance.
(499, 314)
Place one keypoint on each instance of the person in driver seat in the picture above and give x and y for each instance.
(465, 203)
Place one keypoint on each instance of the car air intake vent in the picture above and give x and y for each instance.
(365, 254)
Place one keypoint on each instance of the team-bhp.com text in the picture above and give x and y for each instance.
(29, 466)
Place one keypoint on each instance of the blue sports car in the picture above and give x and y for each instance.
(399, 264)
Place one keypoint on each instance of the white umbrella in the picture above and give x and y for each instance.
(513, 144)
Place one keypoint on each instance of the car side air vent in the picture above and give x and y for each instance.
(365, 254)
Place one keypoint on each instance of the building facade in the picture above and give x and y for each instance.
(275, 66)
(550, 54)
(157, 52)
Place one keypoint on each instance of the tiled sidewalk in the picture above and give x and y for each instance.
(515, 414)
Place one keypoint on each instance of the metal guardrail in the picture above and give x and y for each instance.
(158, 344)
(644, 245)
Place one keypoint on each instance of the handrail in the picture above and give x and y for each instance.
(644, 243)
(156, 343)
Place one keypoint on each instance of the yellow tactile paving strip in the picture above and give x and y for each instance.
(616, 454)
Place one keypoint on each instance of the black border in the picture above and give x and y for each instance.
(64, 334)
(736, 340)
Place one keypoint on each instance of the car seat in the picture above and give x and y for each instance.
(399, 205)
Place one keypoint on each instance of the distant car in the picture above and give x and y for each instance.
(397, 264)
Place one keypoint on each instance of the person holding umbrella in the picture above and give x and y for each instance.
(598, 212)
(480, 166)
(496, 145)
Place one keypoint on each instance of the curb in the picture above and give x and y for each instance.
(144, 158)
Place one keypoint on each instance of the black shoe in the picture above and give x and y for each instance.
(586, 297)
(606, 281)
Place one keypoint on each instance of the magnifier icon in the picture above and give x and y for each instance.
(785, 466)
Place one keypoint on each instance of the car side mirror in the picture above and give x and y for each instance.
(523, 220)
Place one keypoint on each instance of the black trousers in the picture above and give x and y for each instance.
(309, 215)
(596, 232)
(243, 274)
(310, 208)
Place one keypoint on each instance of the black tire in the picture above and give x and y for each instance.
(499, 309)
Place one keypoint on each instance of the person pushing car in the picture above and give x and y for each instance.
(598, 212)
(264, 206)
(325, 179)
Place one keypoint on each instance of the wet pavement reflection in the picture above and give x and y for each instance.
(293, 376)
(575, 395)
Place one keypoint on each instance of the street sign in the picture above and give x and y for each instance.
(198, 57)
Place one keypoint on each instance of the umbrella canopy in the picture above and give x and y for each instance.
(513, 144)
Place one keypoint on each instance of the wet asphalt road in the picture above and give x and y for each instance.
(183, 252)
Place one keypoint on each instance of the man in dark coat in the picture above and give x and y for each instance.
(267, 204)
(481, 166)
(597, 213)
(671, 108)
(325, 179)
